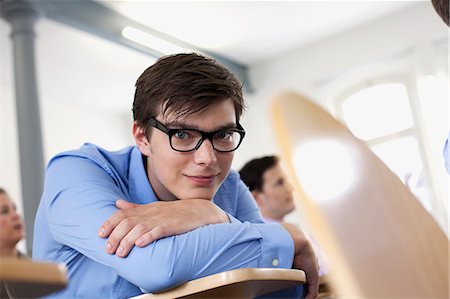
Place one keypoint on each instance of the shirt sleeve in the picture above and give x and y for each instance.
(79, 195)
(446, 154)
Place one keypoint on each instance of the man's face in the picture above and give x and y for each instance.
(277, 194)
(190, 175)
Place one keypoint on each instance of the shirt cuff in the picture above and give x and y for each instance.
(277, 246)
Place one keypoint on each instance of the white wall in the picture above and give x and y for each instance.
(9, 160)
(86, 89)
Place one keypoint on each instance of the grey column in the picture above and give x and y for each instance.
(22, 16)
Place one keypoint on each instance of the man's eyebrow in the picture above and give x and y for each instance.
(181, 125)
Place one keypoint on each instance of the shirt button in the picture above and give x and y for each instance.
(275, 262)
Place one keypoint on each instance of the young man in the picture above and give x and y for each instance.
(169, 209)
(270, 188)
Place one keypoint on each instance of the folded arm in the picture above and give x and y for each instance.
(141, 224)
(78, 202)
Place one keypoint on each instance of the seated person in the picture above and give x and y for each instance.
(268, 184)
(273, 193)
(11, 227)
(168, 210)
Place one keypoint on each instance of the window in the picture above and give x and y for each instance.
(381, 114)
(378, 111)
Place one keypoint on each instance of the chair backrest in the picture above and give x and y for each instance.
(242, 283)
(380, 241)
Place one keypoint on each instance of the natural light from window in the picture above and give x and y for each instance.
(403, 157)
(324, 163)
(378, 110)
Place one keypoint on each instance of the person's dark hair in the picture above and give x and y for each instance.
(2, 191)
(441, 7)
(252, 173)
(184, 84)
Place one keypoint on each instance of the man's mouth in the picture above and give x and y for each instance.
(202, 179)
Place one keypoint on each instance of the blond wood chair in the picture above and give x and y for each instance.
(380, 241)
(26, 279)
(243, 283)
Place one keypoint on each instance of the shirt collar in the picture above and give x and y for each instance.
(140, 190)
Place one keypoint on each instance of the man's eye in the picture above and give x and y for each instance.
(4, 211)
(280, 182)
(223, 135)
(182, 135)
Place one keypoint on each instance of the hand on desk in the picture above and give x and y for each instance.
(305, 259)
(140, 225)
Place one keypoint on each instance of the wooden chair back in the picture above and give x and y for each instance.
(380, 241)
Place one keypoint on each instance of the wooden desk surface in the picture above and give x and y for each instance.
(239, 283)
(26, 279)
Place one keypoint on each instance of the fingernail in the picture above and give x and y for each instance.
(120, 251)
(101, 231)
(108, 248)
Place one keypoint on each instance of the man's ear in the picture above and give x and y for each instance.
(141, 140)
(259, 198)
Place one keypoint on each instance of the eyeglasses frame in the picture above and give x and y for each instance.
(205, 135)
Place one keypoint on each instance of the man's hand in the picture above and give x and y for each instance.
(305, 259)
(140, 225)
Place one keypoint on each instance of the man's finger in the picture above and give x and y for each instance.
(313, 285)
(125, 205)
(119, 232)
(108, 226)
(312, 292)
(156, 233)
(127, 242)
(146, 239)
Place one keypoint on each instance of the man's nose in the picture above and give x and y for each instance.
(15, 215)
(290, 188)
(205, 154)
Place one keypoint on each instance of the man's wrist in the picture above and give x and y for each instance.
(221, 215)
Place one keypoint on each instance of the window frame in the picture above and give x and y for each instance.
(416, 130)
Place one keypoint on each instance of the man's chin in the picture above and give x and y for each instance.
(206, 195)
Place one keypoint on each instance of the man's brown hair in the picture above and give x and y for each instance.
(441, 7)
(184, 84)
(253, 171)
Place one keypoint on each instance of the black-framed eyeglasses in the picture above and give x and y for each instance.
(186, 140)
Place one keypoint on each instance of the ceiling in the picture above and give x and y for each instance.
(246, 32)
(249, 32)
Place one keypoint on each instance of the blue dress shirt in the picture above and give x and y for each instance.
(80, 191)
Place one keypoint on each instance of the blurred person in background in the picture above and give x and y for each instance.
(11, 227)
(268, 184)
